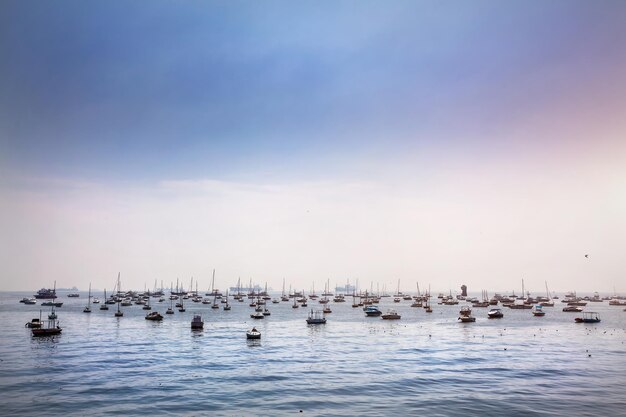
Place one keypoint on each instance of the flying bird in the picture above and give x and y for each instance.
(587, 256)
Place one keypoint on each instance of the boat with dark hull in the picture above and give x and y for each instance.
(253, 334)
(316, 317)
(51, 328)
(46, 294)
(588, 317)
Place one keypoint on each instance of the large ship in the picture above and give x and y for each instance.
(46, 293)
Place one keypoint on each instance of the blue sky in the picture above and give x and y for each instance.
(403, 96)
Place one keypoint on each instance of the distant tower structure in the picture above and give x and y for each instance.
(464, 290)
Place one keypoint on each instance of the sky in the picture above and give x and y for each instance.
(439, 142)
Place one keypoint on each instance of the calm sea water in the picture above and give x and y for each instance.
(423, 364)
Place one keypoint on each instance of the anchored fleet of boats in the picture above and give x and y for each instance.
(366, 299)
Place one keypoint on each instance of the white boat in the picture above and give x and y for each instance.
(253, 334)
(391, 315)
(495, 313)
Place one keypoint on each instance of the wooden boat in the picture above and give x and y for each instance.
(154, 316)
(197, 323)
(253, 334)
(316, 317)
(391, 315)
(588, 317)
(52, 328)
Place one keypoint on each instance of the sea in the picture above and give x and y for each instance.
(421, 365)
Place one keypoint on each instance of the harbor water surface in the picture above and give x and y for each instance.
(423, 364)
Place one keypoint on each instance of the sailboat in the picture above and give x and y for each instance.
(283, 297)
(87, 308)
(226, 305)
(170, 310)
(182, 305)
(119, 312)
(548, 302)
(104, 305)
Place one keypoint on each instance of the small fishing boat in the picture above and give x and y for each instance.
(266, 312)
(538, 311)
(467, 319)
(197, 323)
(495, 313)
(52, 328)
(391, 315)
(257, 315)
(588, 317)
(253, 334)
(154, 316)
(327, 309)
(316, 317)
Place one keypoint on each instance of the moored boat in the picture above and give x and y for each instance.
(51, 328)
(316, 317)
(588, 317)
(197, 323)
(34, 323)
(154, 316)
(495, 313)
(372, 311)
(538, 311)
(391, 315)
(253, 334)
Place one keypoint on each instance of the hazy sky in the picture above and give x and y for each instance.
(444, 142)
